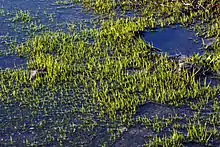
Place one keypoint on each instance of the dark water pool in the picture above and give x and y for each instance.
(175, 40)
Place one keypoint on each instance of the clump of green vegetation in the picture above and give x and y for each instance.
(95, 77)
(2, 12)
(175, 140)
(23, 16)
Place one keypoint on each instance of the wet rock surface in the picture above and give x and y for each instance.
(139, 135)
(134, 137)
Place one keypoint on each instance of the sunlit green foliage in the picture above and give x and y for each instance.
(103, 75)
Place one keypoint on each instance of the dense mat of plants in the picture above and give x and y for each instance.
(95, 80)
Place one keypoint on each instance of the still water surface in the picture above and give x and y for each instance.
(175, 40)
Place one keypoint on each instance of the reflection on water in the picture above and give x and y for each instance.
(174, 41)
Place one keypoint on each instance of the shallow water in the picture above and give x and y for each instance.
(12, 62)
(48, 13)
(174, 40)
(27, 126)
